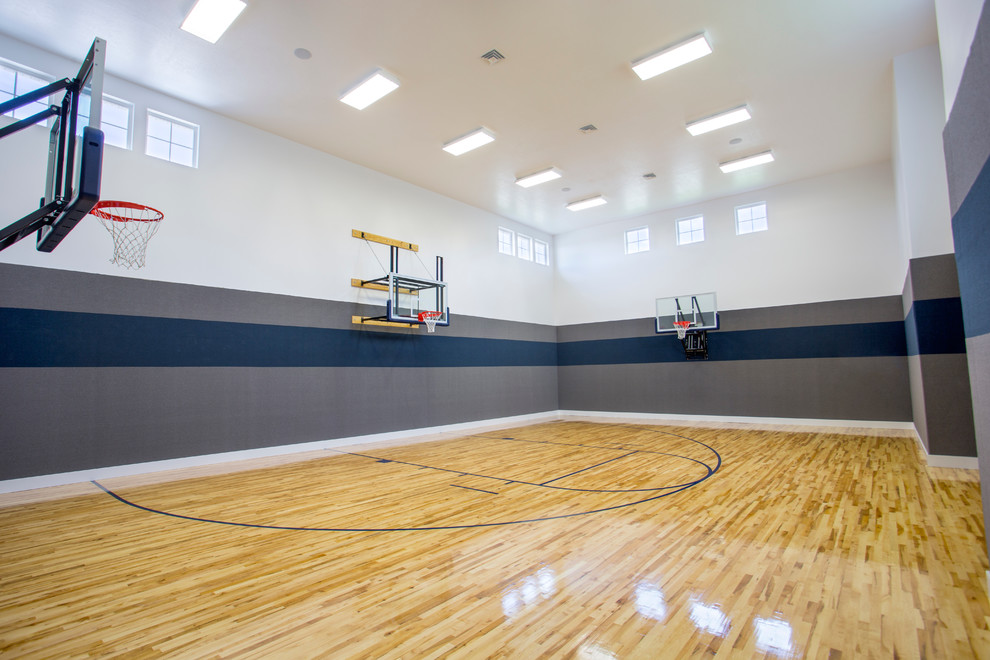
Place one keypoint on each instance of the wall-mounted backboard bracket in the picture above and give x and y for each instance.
(411, 300)
(367, 320)
(375, 238)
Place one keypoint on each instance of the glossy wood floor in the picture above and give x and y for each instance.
(641, 542)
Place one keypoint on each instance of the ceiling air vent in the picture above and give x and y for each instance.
(493, 56)
(590, 128)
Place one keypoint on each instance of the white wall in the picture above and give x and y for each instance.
(957, 21)
(265, 214)
(833, 237)
(919, 157)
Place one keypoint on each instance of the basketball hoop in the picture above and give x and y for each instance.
(430, 319)
(682, 328)
(131, 226)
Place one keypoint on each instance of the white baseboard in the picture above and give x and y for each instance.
(82, 476)
(959, 462)
(756, 422)
(425, 434)
(943, 461)
(933, 460)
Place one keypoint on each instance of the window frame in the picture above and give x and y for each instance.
(23, 112)
(690, 233)
(639, 241)
(545, 261)
(765, 219)
(128, 130)
(520, 239)
(173, 122)
(511, 243)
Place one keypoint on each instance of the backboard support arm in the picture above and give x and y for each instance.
(29, 121)
(64, 204)
(35, 95)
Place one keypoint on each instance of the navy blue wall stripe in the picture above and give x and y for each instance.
(971, 232)
(935, 327)
(853, 340)
(37, 338)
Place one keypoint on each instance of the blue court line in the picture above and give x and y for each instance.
(711, 471)
(571, 444)
(587, 468)
(530, 483)
(391, 529)
(490, 492)
(641, 451)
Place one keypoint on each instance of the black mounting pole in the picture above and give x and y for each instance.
(439, 300)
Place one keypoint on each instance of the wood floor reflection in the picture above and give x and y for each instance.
(562, 540)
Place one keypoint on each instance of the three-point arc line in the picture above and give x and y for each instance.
(671, 490)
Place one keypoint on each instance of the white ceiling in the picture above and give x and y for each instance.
(817, 76)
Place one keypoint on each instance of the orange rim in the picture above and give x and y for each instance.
(104, 209)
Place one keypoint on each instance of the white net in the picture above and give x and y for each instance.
(131, 226)
(682, 328)
(430, 319)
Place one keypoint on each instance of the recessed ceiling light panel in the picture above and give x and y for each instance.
(721, 120)
(538, 177)
(673, 57)
(476, 138)
(370, 90)
(748, 161)
(587, 203)
(209, 19)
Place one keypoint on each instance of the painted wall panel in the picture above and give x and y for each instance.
(933, 277)
(62, 420)
(837, 388)
(919, 162)
(936, 347)
(978, 354)
(967, 131)
(948, 407)
(98, 371)
(831, 360)
(830, 238)
(967, 157)
(957, 20)
(971, 225)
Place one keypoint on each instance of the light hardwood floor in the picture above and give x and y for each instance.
(641, 542)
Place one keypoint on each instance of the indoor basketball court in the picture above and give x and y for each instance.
(588, 537)
(317, 342)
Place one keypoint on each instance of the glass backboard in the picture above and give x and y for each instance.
(409, 296)
(700, 309)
